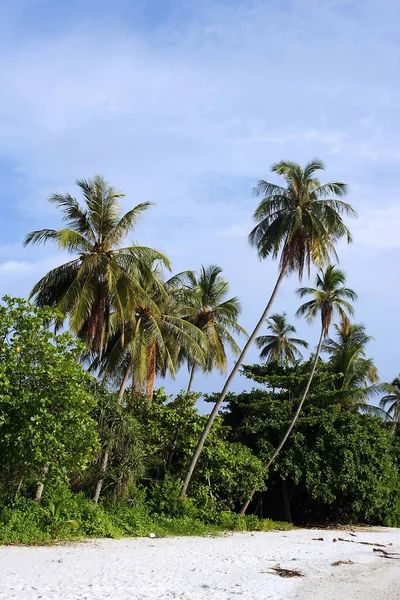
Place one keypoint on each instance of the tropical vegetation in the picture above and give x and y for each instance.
(90, 444)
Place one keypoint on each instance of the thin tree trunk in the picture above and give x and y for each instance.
(227, 385)
(296, 415)
(189, 389)
(100, 481)
(151, 375)
(40, 486)
(19, 487)
(245, 505)
(124, 383)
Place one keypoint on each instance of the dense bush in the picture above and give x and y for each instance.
(335, 467)
(46, 429)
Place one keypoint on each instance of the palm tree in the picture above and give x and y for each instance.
(151, 340)
(102, 279)
(392, 398)
(330, 296)
(279, 346)
(299, 223)
(348, 360)
(216, 315)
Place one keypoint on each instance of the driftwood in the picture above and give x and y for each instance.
(277, 570)
(364, 543)
(342, 562)
(385, 554)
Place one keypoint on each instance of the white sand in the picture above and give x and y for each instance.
(235, 566)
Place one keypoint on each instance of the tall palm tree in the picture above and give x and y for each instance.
(299, 224)
(208, 307)
(151, 340)
(348, 360)
(103, 278)
(392, 398)
(279, 346)
(330, 296)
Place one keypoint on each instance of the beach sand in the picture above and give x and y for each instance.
(204, 568)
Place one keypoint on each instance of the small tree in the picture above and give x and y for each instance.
(278, 345)
(45, 403)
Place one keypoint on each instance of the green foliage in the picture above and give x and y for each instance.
(45, 400)
(338, 466)
(54, 513)
(121, 435)
(26, 522)
(227, 471)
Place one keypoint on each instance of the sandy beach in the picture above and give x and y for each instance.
(227, 567)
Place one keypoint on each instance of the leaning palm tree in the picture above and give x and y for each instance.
(208, 307)
(102, 279)
(392, 399)
(299, 224)
(330, 296)
(278, 346)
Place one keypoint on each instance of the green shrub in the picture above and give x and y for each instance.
(164, 500)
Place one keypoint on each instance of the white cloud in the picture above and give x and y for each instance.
(14, 268)
(379, 228)
(191, 115)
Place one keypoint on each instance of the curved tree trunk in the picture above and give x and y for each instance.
(100, 481)
(296, 416)
(124, 384)
(189, 389)
(227, 385)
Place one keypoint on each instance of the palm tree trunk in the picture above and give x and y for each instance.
(40, 486)
(227, 385)
(124, 383)
(296, 415)
(151, 372)
(189, 389)
(100, 481)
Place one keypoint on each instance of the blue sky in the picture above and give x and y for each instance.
(187, 104)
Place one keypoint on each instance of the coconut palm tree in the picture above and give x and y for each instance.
(103, 278)
(356, 373)
(279, 346)
(208, 307)
(299, 224)
(329, 297)
(151, 340)
(392, 399)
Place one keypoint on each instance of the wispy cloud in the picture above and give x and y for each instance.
(190, 113)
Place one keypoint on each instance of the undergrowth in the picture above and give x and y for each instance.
(74, 517)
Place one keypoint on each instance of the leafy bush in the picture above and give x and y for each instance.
(45, 402)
